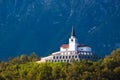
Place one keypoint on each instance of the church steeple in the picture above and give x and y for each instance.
(73, 32)
(72, 41)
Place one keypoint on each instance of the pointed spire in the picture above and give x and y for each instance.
(73, 31)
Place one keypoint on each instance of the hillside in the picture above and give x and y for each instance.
(26, 68)
(36, 25)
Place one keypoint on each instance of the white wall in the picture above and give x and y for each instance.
(84, 49)
(63, 49)
(72, 44)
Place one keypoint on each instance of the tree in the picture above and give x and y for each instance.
(23, 58)
(1, 77)
(73, 71)
(33, 57)
(116, 55)
(55, 72)
(117, 73)
(45, 72)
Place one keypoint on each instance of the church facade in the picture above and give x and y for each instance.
(70, 51)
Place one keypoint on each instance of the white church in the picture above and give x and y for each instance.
(70, 51)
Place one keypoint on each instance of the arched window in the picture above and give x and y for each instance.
(72, 56)
(69, 56)
(67, 60)
(88, 57)
(63, 57)
(53, 57)
(60, 57)
(76, 56)
(84, 57)
(81, 49)
(66, 57)
(57, 57)
(64, 60)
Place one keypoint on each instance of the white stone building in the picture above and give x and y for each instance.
(73, 50)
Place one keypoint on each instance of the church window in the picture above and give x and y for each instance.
(75, 56)
(66, 57)
(57, 57)
(81, 57)
(72, 56)
(71, 40)
(69, 56)
(54, 57)
(88, 56)
(63, 57)
(64, 60)
(67, 60)
(60, 57)
(84, 57)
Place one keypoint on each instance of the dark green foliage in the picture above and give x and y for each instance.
(26, 68)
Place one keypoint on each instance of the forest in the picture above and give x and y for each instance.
(25, 68)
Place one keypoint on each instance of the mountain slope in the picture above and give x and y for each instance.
(43, 25)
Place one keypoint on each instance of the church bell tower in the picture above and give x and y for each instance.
(72, 41)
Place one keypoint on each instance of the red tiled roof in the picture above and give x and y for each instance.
(65, 46)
